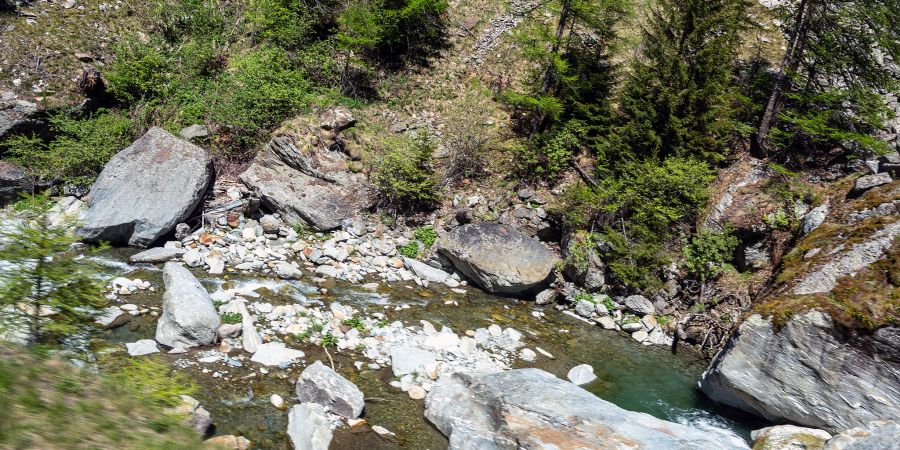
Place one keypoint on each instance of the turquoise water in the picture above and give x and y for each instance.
(633, 376)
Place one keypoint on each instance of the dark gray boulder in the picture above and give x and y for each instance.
(145, 190)
(319, 384)
(189, 318)
(13, 181)
(532, 409)
(498, 258)
(810, 372)
(301, 178)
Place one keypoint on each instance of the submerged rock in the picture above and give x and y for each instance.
(320, 384)
(157, 255)
(145, 190)
(530, 408)
(308, 427)
(498, 258)
(189, 318)
(809, 372)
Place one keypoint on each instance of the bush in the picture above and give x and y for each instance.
(394, 30)
(546, 156)
(81, 148)
(708, 252)
(403, 175)
(138, 71)
(426, 235)
(260, 89)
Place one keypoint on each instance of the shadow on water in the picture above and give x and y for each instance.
(633, 376)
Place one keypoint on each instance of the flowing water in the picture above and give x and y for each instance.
(633, 376)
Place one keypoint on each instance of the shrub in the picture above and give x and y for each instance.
(708, 252)
(260, 88)
(82, 146)
(138, 71)
(410, 250)
(403, 175)
(545, 157)
(426, 235)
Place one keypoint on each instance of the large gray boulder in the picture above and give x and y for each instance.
(810, 372)
(145, 190)
(303, 181)
(319, 384)
(498, 258)
(532, 409)
(308, 427)
(189, 318)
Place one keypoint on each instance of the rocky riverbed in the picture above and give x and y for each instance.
(373, 333)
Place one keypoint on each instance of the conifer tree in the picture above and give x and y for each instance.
(45, 286)
(678, 99)
(838, 57)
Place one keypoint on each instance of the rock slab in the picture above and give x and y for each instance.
(189, 318)
(319, 384)
(532, 409)
(810, 373)
(498, 258)
(308, 427)
(145, 190)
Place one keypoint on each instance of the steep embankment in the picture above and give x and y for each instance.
(821, 346)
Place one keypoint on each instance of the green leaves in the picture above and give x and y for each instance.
(404, 175)
(45, 284)
(708, 252)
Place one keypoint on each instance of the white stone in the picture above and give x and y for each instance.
(275, 354)
(142, 347)
(276, 401)
(581, 374)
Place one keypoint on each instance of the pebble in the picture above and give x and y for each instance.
(276, 401)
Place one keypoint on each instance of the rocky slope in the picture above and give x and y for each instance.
(822, 348)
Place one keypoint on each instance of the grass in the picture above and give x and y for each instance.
(47, 403)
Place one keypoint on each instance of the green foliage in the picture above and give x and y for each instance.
(404, 175)
(86, 410)
(635, 210)
(426, 235)
(833, 118)
(328, 340)
(47, 287)
(410, 250)
(354, 322)
(778, 220)
(260, 88)
(283, 22)
(81, 147)
(138, 71)
(155, 382)
(545, 157)
(232, 317)
(584, 296)
(679, 98)
(708, 252)
(392, 29)
(834, 66)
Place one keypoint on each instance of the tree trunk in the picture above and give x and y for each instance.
(789, 64)
(557, 43)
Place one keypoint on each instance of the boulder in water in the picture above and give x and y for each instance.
(530, 408)
(189, 318)
(498, 258)
(808, 372)
(145, 190)
(320, 384)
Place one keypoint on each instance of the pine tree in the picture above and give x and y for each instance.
(45, 286)
(839, 56)
(678, 99)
